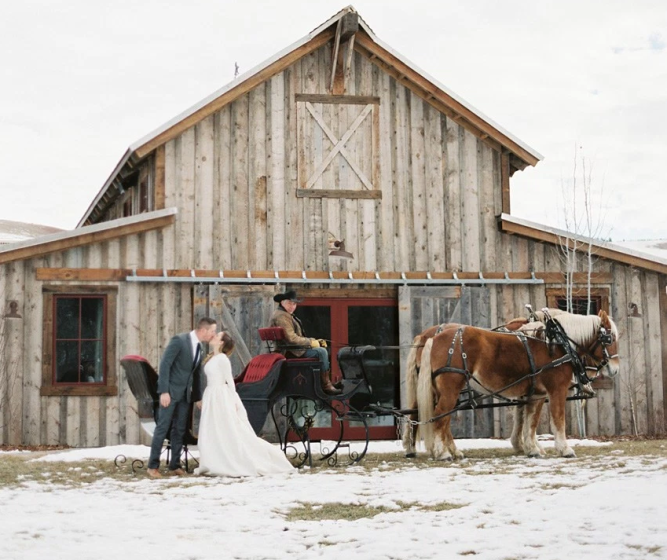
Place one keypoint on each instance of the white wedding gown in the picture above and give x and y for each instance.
(227, 443)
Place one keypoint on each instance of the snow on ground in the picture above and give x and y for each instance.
(510, 508)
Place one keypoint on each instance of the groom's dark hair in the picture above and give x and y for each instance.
(206, 322)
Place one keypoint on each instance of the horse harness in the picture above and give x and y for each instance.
(556, 335)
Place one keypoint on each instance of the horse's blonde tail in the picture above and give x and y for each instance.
(411, 373)
(425, 397)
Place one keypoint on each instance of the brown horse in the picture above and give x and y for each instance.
(492, 362)
(410, 429)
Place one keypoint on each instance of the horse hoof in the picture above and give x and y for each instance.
(570, 455)
(534, 455)
(410, 455)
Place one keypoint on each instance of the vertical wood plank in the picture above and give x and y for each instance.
(32, 350)
(293, 251)
(239, 191)
(276, 184)
(159, 181)
(470, 204)
(185, 242)
(203, 193)
(258, 200)
(387, 139)
(419, 217)
(653, 354)
(453, 216)
(434, 189)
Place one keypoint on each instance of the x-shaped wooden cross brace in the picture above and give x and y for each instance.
(338, 146)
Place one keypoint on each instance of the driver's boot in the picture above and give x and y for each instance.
(327, 387)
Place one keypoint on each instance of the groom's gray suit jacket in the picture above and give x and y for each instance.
(176, 373)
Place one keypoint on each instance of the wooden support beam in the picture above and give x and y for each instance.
(120, 274)
(336, 193)
(159, 184)
(334, 56)
(505, 182)
(333, 99)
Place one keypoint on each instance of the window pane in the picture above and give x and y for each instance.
(92, 323)
(378, 326)
(67, 362)
(67, 317)
(91, 362)
(316, 320)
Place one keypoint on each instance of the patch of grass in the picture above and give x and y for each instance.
(20, 470)
(558, 486)
(338, 511)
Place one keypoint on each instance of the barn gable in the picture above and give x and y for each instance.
(343, 36)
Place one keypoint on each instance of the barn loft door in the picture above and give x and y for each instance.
(239, 310)
(337, 139)
(423, 307)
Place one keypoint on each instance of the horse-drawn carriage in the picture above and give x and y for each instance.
(450, 367)
(287, 389)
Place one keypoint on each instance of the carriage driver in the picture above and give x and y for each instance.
(295, 341)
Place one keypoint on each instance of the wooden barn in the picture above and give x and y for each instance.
(335, 168)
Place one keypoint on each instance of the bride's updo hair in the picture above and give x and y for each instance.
(228, 344)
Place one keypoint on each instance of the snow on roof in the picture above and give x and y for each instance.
(14, 232)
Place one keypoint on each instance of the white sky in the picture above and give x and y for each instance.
(83, 80)
(612, 506)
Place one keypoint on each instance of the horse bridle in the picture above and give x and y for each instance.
(604, 339)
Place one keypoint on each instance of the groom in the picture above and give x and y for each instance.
(178, 384)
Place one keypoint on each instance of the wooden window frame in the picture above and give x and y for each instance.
(579, 291)
(51, 389)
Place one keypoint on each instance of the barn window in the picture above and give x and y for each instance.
(599, 299)
(79, 341)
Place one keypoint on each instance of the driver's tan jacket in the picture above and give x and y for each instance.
(294, 341)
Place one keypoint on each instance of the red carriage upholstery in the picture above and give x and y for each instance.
(259, 367)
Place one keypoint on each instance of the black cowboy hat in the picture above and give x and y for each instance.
(290, 295)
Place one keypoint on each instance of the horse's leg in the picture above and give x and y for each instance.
(444, 446)
(557, 399)
(531, 421)
(412, 373)
(517, 430)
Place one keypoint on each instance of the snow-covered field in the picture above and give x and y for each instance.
(607, 507)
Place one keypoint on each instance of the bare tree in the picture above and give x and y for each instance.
(584, 217)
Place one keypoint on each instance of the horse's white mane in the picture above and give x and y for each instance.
(580, 328)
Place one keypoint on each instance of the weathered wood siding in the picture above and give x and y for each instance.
(234, 177)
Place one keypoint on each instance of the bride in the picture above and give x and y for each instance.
(227, 443)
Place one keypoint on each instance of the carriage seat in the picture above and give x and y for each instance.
(271, 335)
(142, 379)
(259, 367)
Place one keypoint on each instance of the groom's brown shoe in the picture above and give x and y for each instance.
(153, 473)
(177, 472)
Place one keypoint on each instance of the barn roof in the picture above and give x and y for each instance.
(604, 249)
(13, 232)
(408, 74)
(85, 235)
